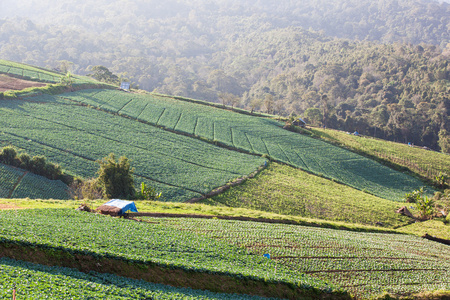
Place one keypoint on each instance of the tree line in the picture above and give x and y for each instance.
(378, 67)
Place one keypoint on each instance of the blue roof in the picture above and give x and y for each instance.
(125, 85)
(123, 205)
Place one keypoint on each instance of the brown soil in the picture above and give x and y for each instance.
(8, 83)
(9, 206)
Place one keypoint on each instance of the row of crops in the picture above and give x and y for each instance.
(34, 73)
(256, 135)
(32, 281)
(17, 183)
(144, 243)
(76, 136)
(364, 264)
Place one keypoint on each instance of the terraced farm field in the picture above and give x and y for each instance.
(255, 135)
(18, 183)
(424, 162)
(76, 136)
(35, 73)
(33, 281)
(289, 191)
(141, 242)
(366, 264)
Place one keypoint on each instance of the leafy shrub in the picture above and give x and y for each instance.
(425, 206)
(148, 193)
(8, 156)
(115, 178)
(414, 196)
(36, 164)
(88, 189)
(441, 180)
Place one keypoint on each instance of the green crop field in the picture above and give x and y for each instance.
(142, 242)
(76, 136)
(33, 281)
(256, 135)
(35, 73)
(17, 183)
(285, 190)
(424, 162)
(366, 264)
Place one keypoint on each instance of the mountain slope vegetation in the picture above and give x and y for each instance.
(380, 63)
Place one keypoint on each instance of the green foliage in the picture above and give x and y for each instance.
(254, 135)
(116, 178)
(441, 180)
(33, 281)
(148, 193)
(81, 135)
(414, 196)
(164, 246)
(89, 189)
(36, 164)
(425, 206)
(313, 116)
(67, 80)
(287, 191)
(103, 74)
(8, 156)
(444, 141)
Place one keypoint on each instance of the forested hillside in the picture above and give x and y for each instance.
(379, 67)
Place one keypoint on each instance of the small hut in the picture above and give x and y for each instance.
(117, 207)
(299, 122)
(404, 211)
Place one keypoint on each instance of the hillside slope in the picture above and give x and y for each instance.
(261, 136)
(18, 183)
(75, 136)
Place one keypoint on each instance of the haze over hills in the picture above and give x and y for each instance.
(380, 63)
(185, 148)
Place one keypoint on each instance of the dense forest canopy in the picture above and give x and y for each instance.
(377, 66)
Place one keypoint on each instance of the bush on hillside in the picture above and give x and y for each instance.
(36, 164)
(148, 193)
(87, 189)
(116, 178)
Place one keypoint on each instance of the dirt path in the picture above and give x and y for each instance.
(8, 83)
(9, 206)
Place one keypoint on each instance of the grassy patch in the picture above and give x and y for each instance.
(435, 227)
(194, 209)
(254, 135)
(284, 190)
(423, 162)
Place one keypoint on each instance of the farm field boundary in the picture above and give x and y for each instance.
(286, 190)
(136, 216)
(364, 264)
(425, 163)
(80, 135)
(142, 244)
(156, 274)
(261, 136)
(36, 281)
(18, 183)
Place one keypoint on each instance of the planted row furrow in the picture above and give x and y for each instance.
(262, 136)
(360, 262)
(33, 281)
(141, 242)
(166, 158)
